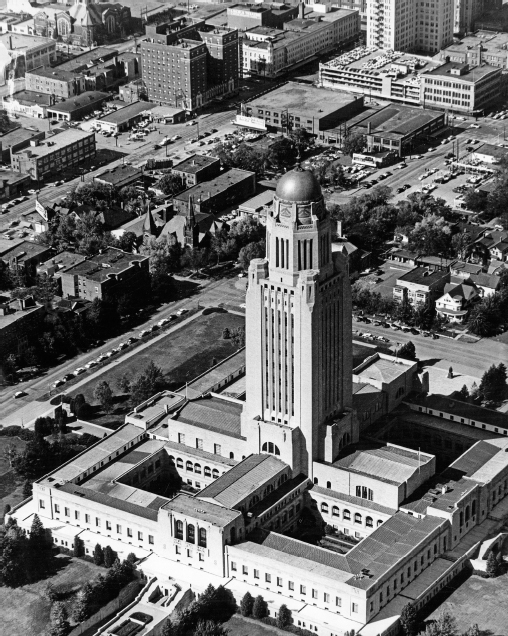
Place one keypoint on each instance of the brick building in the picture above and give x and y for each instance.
(420, 286)
(107, 275)
(186, 66)
(18, 320)
(69, 148)
(196, 169)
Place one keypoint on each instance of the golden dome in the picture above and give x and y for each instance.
(299, 186)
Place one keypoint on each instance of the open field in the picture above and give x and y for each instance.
(481, 601)
(182, 355)
(240, 627)
(25, 610)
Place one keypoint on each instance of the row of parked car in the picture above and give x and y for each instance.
(120, 347)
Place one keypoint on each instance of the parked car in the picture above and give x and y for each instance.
(57, 383)
(67, 377)
(163, 321)
(19, 394)
(79, 370)
(91, 364)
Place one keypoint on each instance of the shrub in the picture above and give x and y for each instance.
(260, 608)
(247, 604)
(283, 617)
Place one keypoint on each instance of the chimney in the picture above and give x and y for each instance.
(369, 127)
(301, 11)
(10, 42)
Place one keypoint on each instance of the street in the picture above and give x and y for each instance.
(15, 411)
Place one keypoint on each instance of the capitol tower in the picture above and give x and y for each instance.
(298, 332)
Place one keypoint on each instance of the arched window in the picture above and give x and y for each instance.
(232, 534)
(368, 522)
(473, 508)
(215, 473)
(208, 472)
(346, 515)
(179, 463)
(191, 532)
(179, 529)
(202, 538)
(328, 484)
(461, 518)
(188, 467)
(254, 501)
(197, 468)
(467, 513)
(231, 455)
(379, 522)
(270, 447)
(335, 511)
(324, 507)
(171, 459)
(400, 391)
(316, 481)
(358, 517)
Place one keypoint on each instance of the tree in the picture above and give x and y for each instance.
(210, 628)
(98, 555)
(59, 620)
(260, 608)
(250, 251)
(246, 604)
(463, 394)
(195, 258)
(27, 489)
(4, 121)
(13, 571)
(493, 384)
(170, 184)
(283, 617)
(407, 351)
(78, 547)
(353, 142)
(301, 139)
(109, 556)
(492, 565)
(103, 394)
(83, 604)
(431, 235)
(127, 241)
(123, 383)
(283, 152)
(168, 629)
(445, 625)
(409, 620)
(238, 337)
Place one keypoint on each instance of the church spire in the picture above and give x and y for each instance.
(149, 227)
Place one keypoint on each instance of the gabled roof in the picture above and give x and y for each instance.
(462, 291)
(490, 281)
(245, 478)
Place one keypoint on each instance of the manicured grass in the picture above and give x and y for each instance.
(25, 610)
(239, 627)
(182, 356)
(481, 601)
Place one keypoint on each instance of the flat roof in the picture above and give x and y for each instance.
(308, 101)
(20, 42)
(397, 120)
(61, 139)
(195, 163)
(126, 113)
(23, 251)
(79, 101)
(422, 276)
(53, 73)
(84, 60)
(16, 313)
(16, 136)
(241, 481)
(472, 74)
(61, 261)
(215, 186)
(101, 266)
(30, 97)
(120, 173)
(491, 42)
(259, 201)
(216, 374)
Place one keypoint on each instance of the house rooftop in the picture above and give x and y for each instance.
(126, 113)
(102, 266)
(421, 276)
(395, 120)
(87, 98)
(207, 189)
(195, 163)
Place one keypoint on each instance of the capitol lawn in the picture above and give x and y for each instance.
(182, 355)
(25, 610)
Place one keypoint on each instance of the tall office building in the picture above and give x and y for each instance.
(406, 25)
(186, 66)
(298, 322)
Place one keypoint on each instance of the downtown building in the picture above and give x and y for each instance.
(405, 25)
(187, 66)
(249, 461)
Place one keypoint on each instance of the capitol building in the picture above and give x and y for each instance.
(254, 470)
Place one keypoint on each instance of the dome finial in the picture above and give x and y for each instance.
(298, 167)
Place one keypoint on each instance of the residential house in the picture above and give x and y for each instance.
(457, 300)
(487, 284)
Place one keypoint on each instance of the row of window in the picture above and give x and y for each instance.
(346, 515)
(98, 522)
(190, 535)
(314, 594)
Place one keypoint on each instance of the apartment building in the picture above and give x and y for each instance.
(406, 25)
(196, 169)
(106, 275)
(26, 52)
(457, 87)
(420, 286)
(269, 52)
(55, 81)
(186, 66)
(69, 148)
